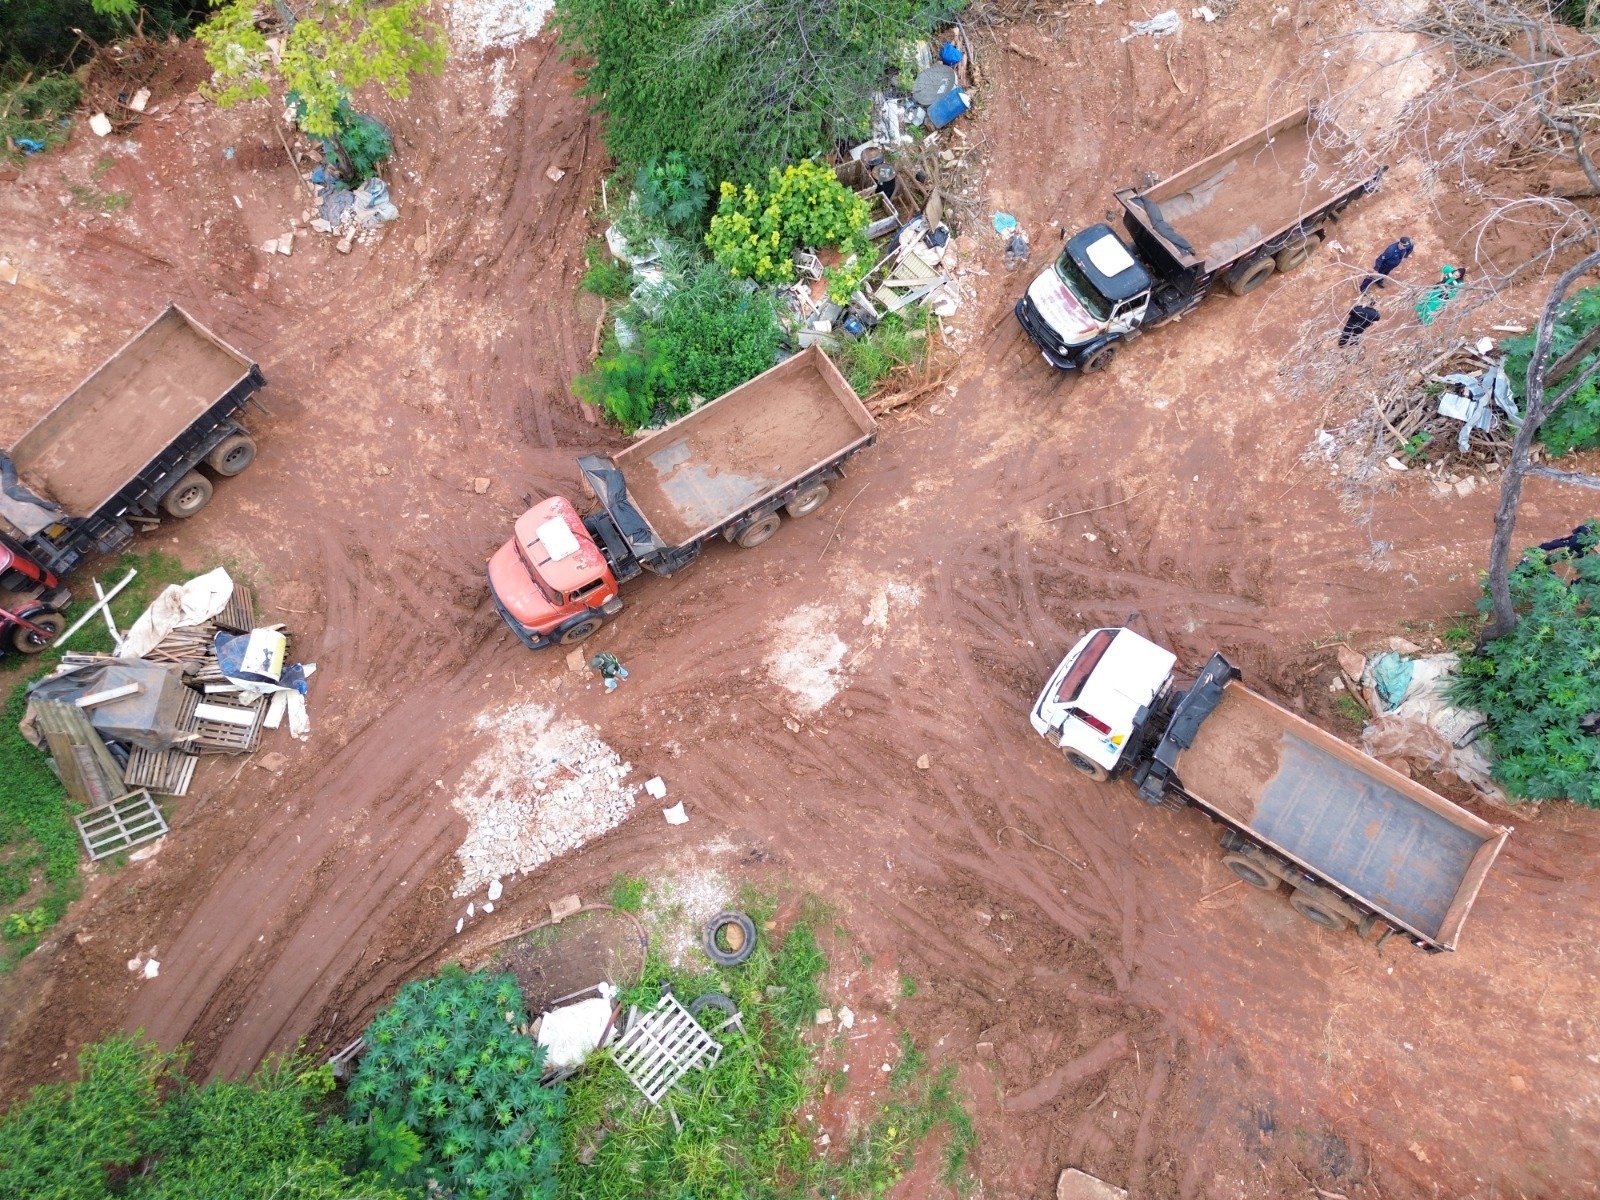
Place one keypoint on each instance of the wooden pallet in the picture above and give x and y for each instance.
(662, 1047)
(168, 772)
(88, 772)
(124, 823)
(225, 736)
(240, 615)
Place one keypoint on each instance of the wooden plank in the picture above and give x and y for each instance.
(110, 694)
(227, 714)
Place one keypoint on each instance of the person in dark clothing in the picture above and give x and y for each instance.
(1360, 318)
(610, 668)
(1385, 264)
(1581, 540)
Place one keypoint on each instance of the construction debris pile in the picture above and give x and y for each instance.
(1459, 410)
(194, 675)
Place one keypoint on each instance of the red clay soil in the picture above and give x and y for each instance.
(1110, 1001)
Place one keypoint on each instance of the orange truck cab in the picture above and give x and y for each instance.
(550, 582)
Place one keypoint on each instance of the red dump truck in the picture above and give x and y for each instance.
(1256, 208)
(727, 470)
(1357, 842)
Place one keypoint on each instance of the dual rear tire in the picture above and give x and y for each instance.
(803, 505)
(228, 458)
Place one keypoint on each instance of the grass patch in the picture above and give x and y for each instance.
(605, 276)
(1350, 708)
(627, 892)
(900, 338)
(740, 1130)
(92, 197)
(35, 109)
(908, 987)
(39, 848)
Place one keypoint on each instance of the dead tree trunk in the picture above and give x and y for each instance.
(1537, 409)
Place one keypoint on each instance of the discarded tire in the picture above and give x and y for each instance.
(730, 938)
(714, 1000)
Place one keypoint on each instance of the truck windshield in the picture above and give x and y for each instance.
(545, 589)
(1078, 674)
(1067, 270)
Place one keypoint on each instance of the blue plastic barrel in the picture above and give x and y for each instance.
(948, 107)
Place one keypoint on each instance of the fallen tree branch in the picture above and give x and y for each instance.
(1576, 478)
(1096, 508)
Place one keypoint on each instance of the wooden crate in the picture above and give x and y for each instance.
(168, 772)
(126, 822)
(240, 615)
(227, 736)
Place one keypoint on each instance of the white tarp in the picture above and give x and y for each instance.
(180, 605)
(1428, 729)
(571, 1033)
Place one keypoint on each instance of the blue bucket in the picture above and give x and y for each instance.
(948, 107)
(950, 54)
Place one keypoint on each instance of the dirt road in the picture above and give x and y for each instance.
(1112, 1003)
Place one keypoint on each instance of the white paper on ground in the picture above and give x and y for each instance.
(675, 815)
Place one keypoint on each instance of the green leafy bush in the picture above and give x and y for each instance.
(605, 276)
(737, 83)
(1576, 424)
(674, 192)
(446, 1062)
(754, 234)
(900, 338)
(1539, 681)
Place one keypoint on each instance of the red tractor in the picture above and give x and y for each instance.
(31, 603)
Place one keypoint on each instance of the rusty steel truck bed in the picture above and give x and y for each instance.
(1371, 833)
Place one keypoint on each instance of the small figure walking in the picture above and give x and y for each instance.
(1441, 293)
(610, 668)
(1360, 318)
(1386, 263)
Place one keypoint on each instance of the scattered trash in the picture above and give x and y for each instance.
(1076, 1185)
(555, 174)
(101, 124)
(470, 910)
(1481, 393)
(730, 938)
(824, 1016)
(950, 54)
(572, 1032)
(1157, 26)
(480, 485)
(1016, 250)
(1203, 13)
(948, 107)
(151, 969)
(1415, 720)
(660, 1048)
(655, 788)
(29, 145)
(460, 924)
(675, 815)
(847, 1019)
(141, 100)
(932, 83)
(9, 271)
(924, 763)
(1004, 224)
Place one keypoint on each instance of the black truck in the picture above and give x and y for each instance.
(135, 439)
(1257, 208)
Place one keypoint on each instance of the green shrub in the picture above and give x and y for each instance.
(737, 83)
(36, 108)
(754, 234)
(446, 1062)
(674, 192)
(1576, 424)
(605, 276)
(900, 338)
(1539, 681)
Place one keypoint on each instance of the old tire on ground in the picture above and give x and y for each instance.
(1313, 909)
(716, 1001)
(761, 531)
(581, 630)
(1251, 871)
(1079, 763)
(1098, 360)
(232, 455)
(807, 502)
(730, 938)
(25, 641)
(1294, 254)
(188, 496)
(1251, 276)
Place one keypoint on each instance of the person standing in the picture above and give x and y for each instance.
(1441, 293)
(610, 668)
(1360, 318)
(1386, 263)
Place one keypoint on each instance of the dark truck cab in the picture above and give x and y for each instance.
(1256, 208)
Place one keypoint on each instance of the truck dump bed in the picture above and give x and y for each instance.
(1253, 191)
(1413, 856)
(120, 419)
(726, 457)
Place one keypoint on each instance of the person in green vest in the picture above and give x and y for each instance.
(1441, 293)
(610, 668)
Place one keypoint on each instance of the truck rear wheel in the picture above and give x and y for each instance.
(1079, 763)
(26, 641)
(1099, 360)
(1294, 254)
(188, 496)
(807, 502)
(1252, 872)
(232, 455)
(1314, 910)
(1251, 276)
(580, 631)
(760, 532)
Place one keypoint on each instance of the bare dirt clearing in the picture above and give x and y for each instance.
(1110, 1004)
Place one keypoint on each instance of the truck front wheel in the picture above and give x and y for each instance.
(1098, 360)
(1251, 872)
(188, 496)
(232, 455)
(26, 641)
(807, 502)
(760, 532)
(1251, 276)
(1313, 910)
(1079, 763)
(581, 630)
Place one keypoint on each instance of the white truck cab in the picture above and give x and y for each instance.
(1104, 687)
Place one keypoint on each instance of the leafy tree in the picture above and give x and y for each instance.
(1576, 424)
(328, 54)
(754, 234)
(446, 1062)
(739, 84)
(1539, 684)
